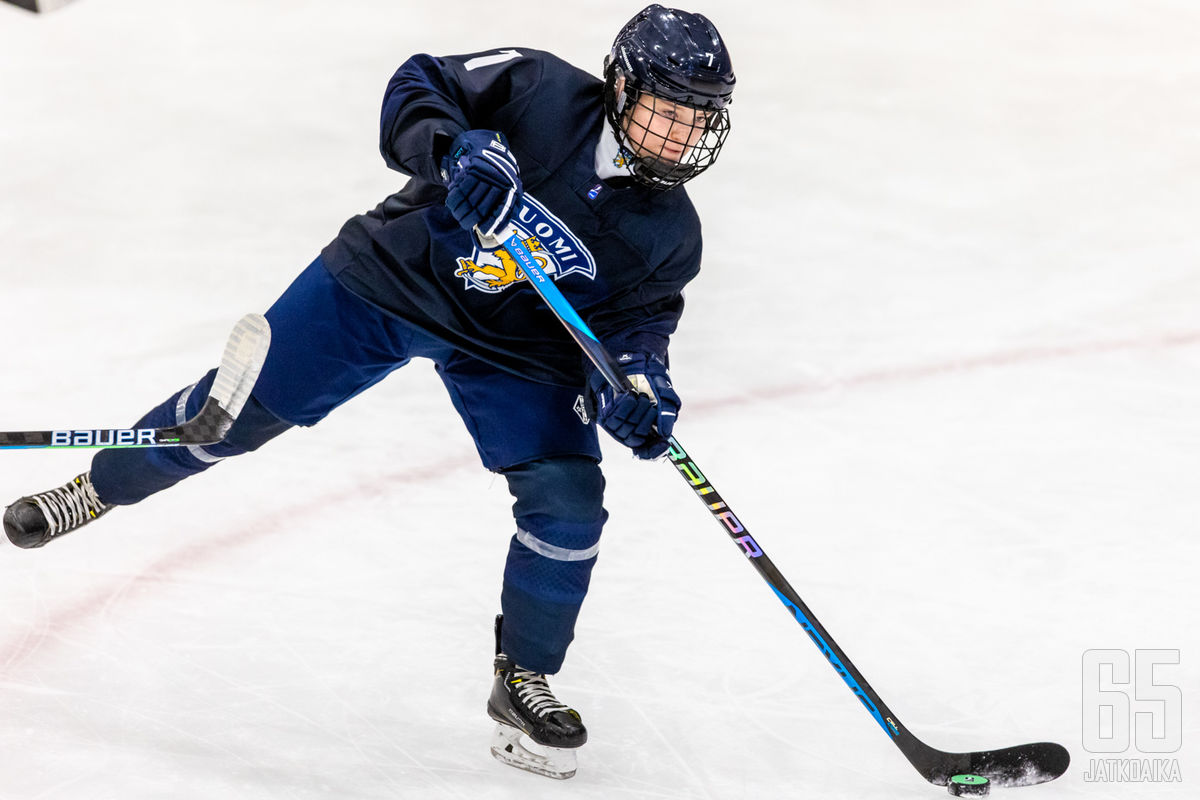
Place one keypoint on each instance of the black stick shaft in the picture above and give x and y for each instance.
(1015, 766)
(603, 360)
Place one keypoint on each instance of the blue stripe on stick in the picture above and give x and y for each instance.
(548, 290)
(834, 661)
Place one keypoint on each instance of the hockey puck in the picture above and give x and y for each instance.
(968, 786)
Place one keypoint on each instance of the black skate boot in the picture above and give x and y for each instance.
(535, 732)
(32, 521)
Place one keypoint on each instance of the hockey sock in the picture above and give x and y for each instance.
(125, 476)
(559, 516)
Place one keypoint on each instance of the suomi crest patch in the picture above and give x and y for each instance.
(558, 251)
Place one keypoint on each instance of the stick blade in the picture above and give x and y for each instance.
(241, 363)
(1023, 765)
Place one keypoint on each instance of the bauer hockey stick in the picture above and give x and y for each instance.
(240, 364)
(1022, 765)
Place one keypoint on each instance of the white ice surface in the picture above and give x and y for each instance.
(943, 360)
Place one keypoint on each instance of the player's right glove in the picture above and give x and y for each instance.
(641, 419)
(484, 182)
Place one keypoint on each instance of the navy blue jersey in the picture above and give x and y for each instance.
(620, 254)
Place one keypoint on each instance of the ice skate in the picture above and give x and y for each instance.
(34, 520)
(534, 731)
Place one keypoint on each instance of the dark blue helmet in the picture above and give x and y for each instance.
(665, 54)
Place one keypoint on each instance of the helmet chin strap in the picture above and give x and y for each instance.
(621, 102)
(624, 158)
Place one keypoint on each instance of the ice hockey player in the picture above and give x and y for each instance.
(588, 171)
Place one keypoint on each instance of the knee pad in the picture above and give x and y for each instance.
(559, 514)
(559, 507)
(565, 489)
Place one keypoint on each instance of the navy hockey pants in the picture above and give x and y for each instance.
(327, 345)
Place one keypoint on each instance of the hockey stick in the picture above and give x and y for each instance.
(240, 364)
(1022, 765)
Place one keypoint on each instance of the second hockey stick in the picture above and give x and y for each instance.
(1021, 765)
(240, 364)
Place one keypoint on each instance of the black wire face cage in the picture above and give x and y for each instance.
(668, 142)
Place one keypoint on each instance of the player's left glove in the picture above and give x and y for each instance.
(484, 181)
(642, 419)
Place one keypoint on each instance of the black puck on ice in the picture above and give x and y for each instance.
(968, 786)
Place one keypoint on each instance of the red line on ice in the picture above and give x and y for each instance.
(916, 372)
(94, 604)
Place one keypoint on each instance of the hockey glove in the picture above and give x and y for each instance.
(643, 418)
(484, 181)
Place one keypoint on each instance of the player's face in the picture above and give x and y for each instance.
(666, 131)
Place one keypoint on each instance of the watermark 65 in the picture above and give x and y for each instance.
(1132, 715)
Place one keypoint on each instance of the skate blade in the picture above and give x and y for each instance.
(516, 749)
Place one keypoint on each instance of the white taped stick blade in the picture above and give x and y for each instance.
(518, 750)
(244, 355)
